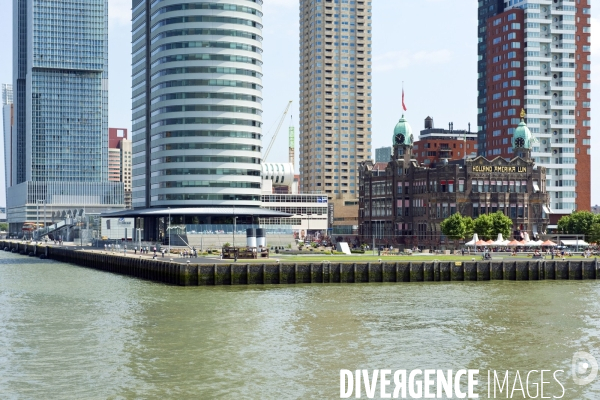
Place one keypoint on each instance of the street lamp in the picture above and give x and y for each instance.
(37, 224)
(234, 228)
(308, 226)
(169, 229)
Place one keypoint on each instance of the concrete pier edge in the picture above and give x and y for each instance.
(165, 271)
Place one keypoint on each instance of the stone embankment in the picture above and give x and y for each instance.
(318, 272)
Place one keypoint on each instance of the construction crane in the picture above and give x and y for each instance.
(276, 130)
(292, 141)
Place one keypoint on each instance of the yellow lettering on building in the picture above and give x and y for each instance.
(499, 169)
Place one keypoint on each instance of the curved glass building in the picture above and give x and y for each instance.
(196, 103)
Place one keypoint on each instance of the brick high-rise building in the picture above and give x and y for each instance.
(335, 102)
(119, 161)
(535, 54)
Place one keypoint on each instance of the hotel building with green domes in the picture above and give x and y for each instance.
(402, 203)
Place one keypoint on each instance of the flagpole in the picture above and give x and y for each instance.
(403, 106)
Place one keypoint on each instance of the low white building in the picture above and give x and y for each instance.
(117, 228)
(309, 219)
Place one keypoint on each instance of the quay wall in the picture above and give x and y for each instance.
(241, 273)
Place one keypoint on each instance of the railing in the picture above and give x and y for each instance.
(53, 228)
(240, 229)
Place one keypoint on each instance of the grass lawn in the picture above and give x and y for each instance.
(375, 258)
(317, 258)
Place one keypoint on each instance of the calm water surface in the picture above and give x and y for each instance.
(71, 333)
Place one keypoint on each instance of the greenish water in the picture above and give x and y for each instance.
(71, 333)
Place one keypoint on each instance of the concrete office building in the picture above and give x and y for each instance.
(536, 54)
(308, 212)
(335, 102)
(197, 83)
(383, 154)
(60, 83)
(119, 161)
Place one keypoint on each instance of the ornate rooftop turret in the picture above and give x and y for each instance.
(403, 135)
(523, 138)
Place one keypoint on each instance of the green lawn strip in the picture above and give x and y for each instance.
(318, 258)
(388, 259)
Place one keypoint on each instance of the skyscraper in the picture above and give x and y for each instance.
(537, 57)
(7, 121)
(486, 9)
(61, 85)
(197, 83)
(335, 102)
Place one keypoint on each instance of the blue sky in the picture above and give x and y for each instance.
(428, 44)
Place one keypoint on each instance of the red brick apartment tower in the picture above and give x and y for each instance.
(582, 107)
(505, 80)
(115, 136)
(537, 56)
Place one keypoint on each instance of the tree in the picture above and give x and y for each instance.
(501, 224)
(469, 227)
(484, 227)
(594, 235)
(454, 227)
(579, 223)
(3, 226)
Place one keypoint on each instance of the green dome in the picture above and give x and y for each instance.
(523, 138)
(403, 135)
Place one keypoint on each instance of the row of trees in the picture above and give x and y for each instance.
(581, 223)
(486, 226)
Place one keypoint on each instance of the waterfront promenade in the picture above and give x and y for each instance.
(315, 270)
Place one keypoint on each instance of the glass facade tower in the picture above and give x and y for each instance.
(61, 106)
(196, 103)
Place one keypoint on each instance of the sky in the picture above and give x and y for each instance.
(430, 45)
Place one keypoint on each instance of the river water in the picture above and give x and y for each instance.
(71, 333)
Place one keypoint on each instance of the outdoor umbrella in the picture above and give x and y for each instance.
(474, 241)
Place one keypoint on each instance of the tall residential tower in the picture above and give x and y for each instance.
(536, 56)
(60, 82)
(197, 83)
(335, 102)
